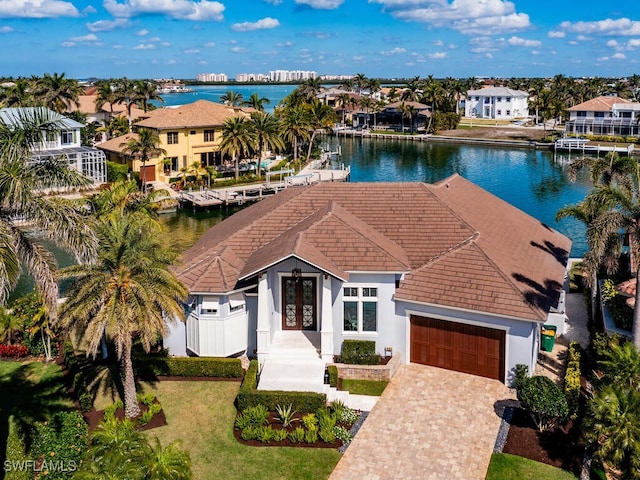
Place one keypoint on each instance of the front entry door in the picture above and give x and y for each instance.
(298, 303)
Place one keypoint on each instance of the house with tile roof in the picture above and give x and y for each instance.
(188, 133)
(442, 274)
(605, 115)
(497, 103)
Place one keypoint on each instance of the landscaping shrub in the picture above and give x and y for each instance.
(359, 352)
(544, 401)
(248, 396)
(60, 443)
(13, 351)
(297, 436)
(333, 375)
(342, 433)
(192, 366)
(116, 171)
(86, 402)
(521, 375)
(572, 380)
(285, 414)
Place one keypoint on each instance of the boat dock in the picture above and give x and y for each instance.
(584, 146)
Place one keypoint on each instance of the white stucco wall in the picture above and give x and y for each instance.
(176, 340)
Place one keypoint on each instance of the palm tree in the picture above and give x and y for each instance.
(310, 88)
(169, 462)
(343, 99)
(21, 180)
(321, 117)
(115, 127)
(125, 92)
(257, 102)
(129, 294)
(146, 91)
(237, 139)
(105, 94)
(613, 428)
(145, 145)
(197, 170)
(231, 98)
(57, 92)
(19, 95)
(266, 129)
(366, 103)
(295, 124)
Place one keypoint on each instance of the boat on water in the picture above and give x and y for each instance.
(173, 88)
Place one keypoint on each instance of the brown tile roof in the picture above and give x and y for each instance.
(202, 113)
(114, 144)
(598, 104)
(459, 245)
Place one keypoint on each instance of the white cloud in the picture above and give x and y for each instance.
(612, 43)
(321, 4)
(619, 56)
(237, 49)
(620, 26)
(180, 9)
(145, 46)
(68, 44)
(6, 29)
(467, 16)
(108, 25)
(358, 58)
(285, 44)
(37, 9)
(142, 33)
(438, 55)
(86, 38)
(191, 51)
(437, 43)
(262, 24)
(395, 51)
(274, 2)
(556, 34)
(523, 42)
(582, 38)
(210, 44)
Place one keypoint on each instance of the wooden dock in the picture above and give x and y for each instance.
(579, 145)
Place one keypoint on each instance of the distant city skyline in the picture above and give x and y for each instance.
(380, 38)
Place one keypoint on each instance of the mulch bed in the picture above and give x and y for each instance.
(94, 417)
(561, 447)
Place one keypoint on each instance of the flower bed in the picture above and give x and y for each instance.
(13, 351)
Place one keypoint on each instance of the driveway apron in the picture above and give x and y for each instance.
(429, 424)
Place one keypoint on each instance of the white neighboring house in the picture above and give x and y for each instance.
(446, 275)
(605, 115)
(63, 143)
(497, 103)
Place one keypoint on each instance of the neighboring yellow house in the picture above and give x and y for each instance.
(190, 133)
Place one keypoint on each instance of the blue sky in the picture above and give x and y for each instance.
(380, 38)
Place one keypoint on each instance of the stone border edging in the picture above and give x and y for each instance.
(503, 432)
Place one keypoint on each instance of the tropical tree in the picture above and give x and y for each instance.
(266, 130)
(232, 98)
(146, 91)
(57, 92)
(127, 94)
(295, 123)
(310, 88)
(197, 170)
(343, 100)
(321, 117)
(21, 184)
(116, 127)
(129, 294)
(18, 95)
(145, 145)
(105, 94)
(238, 139)
(257, 102)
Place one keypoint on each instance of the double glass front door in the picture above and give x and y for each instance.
(299, 303)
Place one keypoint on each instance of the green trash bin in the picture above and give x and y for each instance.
(548, 337)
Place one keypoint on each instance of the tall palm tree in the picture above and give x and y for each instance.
(21, 181)
(343, 100)
(105, 94)
(146, 91)
(129, 294)
(145, 145)
(19, 95)
(266, 129)
(295, 124)
(366, 103)
(57, 92)
(126, 93)
(257, 102)
(232, 98)
(310, 88)
(321, 117)
(237, 140)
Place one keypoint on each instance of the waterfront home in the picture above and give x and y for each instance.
(441, 274)
(64, 142)
(189, 133)
(497, 103)
(605, 115)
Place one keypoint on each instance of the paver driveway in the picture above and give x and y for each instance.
(429, 424)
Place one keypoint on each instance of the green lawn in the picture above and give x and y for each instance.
(201, 414)
(511, 467)
(364, 387)
(31, 392)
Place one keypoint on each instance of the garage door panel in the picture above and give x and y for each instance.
(456, 346)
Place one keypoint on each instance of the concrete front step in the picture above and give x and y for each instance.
(291, 374)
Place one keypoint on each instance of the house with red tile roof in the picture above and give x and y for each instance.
(443, 274)
(605, 115)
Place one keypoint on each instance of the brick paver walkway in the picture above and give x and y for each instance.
(429, 424)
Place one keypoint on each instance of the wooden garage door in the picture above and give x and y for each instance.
(457, 346)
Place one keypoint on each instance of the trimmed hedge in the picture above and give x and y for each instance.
(359, 352)
(572, 380)
(193, 366)
(333, 376)
(249, 396)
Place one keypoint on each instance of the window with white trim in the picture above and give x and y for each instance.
(360, 309)
(172, 138)
(236, 302)
(67, 137)
(210, 305)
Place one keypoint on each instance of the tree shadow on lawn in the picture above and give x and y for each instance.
(28, 398)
